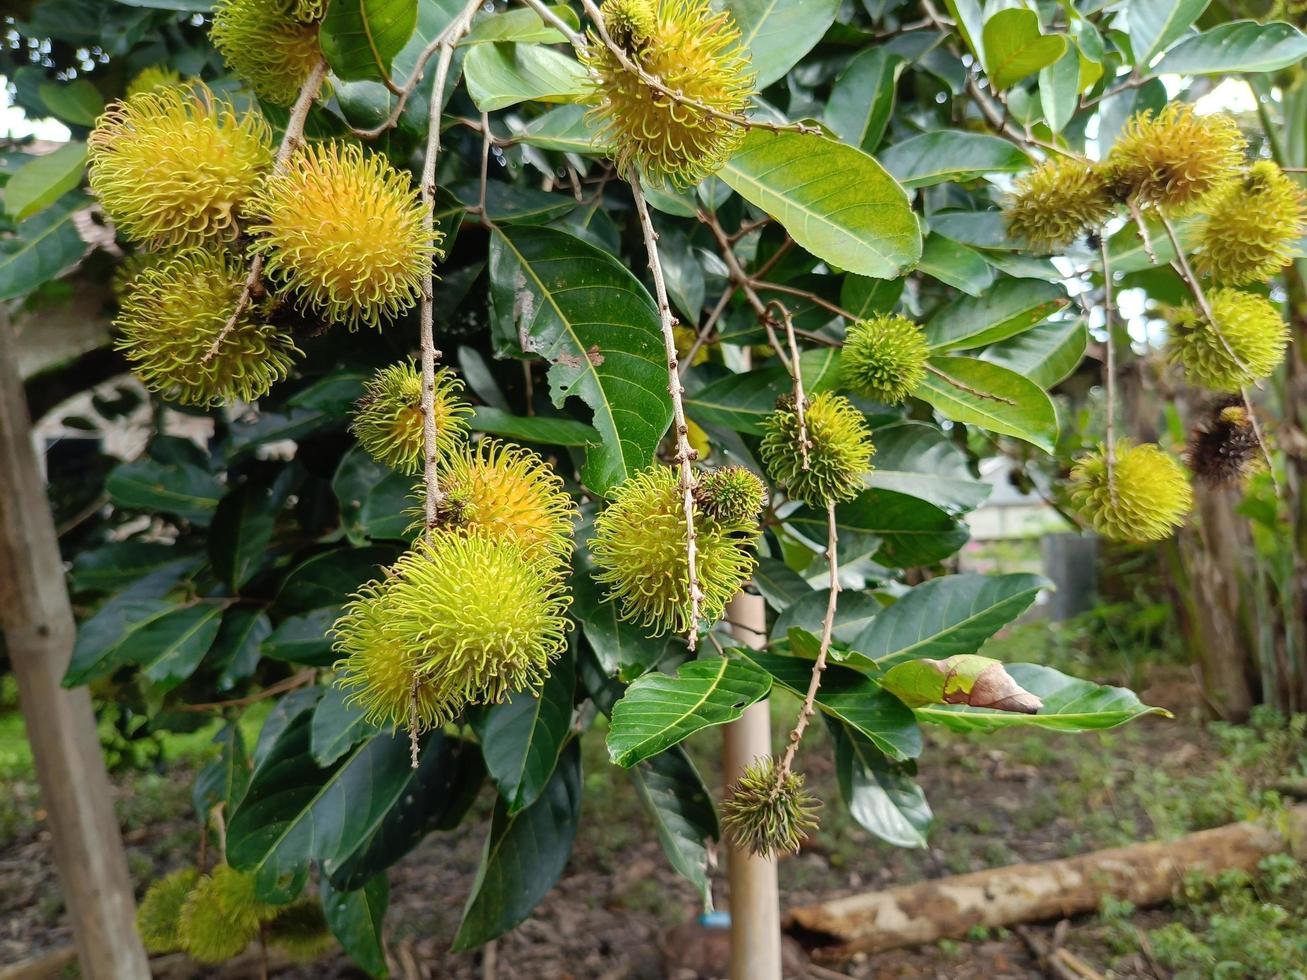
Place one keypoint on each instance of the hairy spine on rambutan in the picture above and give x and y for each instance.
(1143, 495)
(267, 44)
(839, 451)
(1174, 159)
(768, 811)
(1242, 342)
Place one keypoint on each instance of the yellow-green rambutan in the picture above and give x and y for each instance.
(265, 43)
(767, 812)
(300, 931)
(1242, 344)
(690, 49)
(221, 915)
(310, 10)
(1251, 226)
(173, 165)
(1146, 498)
(388, 421)
(160, 910)
(884, 357)
(342, 228)
(153, 78)
(476, 619)
(1223, 447)
(732, 495)
(172, 315)
(1174, 159)
(510, 493)
(133, 265)
(839, 449)
(639, 553)
(1057, 202)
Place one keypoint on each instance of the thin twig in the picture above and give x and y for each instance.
(574, 38)
(685, 455)
(827, 630)
(1109, 368)
(800, 399)
(779, 287)
(486, 139)
(302, 679)
(701, 337)
(963, 386)
(290, 142)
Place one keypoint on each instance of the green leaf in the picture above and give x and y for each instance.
(375, 501)
(1046, 355)
(621, 647)
(659, 710)
(853, 698)
(880, 795)
(525, 854)
(522, 738)
(46, 246)
(304, 639)
(522, 26)
(99, 649)
(955, 265)
(862, 98)
(502, 75)
(225, 779)
(170, 647)
(1155, 24)
(865, 297)
(950, 154)
(741, 401)
(112, 566)
(236, 652)
(338, 725)
(583, 312)
(173, 488)
(897, 530)
(919, 460)
(357, 920)
(1241, 46)
(682, 812)
(1014, 48)
(77, 102)
(779, 584)
(535, 428)
(1070, 705)
(1059, 89)
(993, 398)
(970, 21)
(44, 179)
(780, 32)
(834, 200)
(965, 678)
(328, 579)
(946, 616)
(565, 129)
(241, 532)
(1011, 306)
(360, 38)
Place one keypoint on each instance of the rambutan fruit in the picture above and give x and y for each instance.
(839, 450)
(1223, 447)
(732, 495)
(160, 910)
(884, 357)
(1174, 159)
(342, 229)
(1251, 226)
(267, 44)
(174, 312)
(1145, 499)
(172, 166)
(300, 931)
(310, 10)
(222, 915)
(690, 49)
(639, 550)
(766, 812)
(1243, 343)
(1057, 202)
(388, 422)
(152, 78)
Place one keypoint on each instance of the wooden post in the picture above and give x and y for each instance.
(754, 894)
(39, 632)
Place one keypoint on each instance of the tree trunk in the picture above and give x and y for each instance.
(39, 632)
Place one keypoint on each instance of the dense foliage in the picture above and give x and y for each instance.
(442, 600)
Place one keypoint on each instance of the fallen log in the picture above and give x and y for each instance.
(946, 908)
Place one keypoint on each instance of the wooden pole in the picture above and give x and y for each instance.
(754, 895)
(39, 631)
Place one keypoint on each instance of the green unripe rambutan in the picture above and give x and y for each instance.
(160, 911)
(690, 49)
(222, 915)
(767, 813)
(171, 316)
(388, 421)
(839, 450)
(731, 495)
(1223, 447)
(1245, 345)
(510, 493)
(1251, 226)
(1057, 202)
(300, 931)
(639, 552)
(173, 165)
(1174, 159)
(265, 43)
(343, 229)
(884, 357)
(1146, 499)
(151, 79)
(474, 619)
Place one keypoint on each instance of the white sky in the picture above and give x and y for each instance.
(14, 122)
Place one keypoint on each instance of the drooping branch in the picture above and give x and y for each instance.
(685, 455)
(1109, 367)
